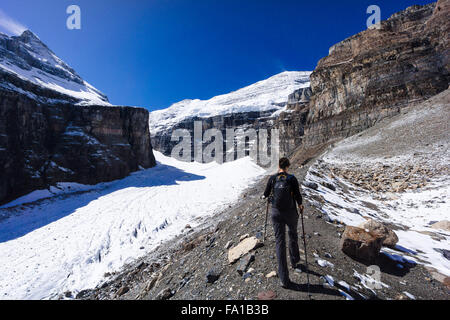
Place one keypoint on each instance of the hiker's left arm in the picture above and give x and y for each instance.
(296, 191)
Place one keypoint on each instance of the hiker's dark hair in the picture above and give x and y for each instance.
(284, 163)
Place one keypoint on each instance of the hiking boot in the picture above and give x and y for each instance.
(286, 285)
(299, 266)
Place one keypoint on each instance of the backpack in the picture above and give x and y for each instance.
(282, 193)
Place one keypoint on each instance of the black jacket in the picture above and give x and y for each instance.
(292, 180)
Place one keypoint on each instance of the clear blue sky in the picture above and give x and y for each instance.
(153, 53)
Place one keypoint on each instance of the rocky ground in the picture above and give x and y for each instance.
(405, 154)
(196, 265)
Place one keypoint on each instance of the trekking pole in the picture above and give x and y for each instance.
(306, 254)
(265, 223)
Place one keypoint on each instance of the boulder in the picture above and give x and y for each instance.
(390, 238)
(244, 247)
(361, 244)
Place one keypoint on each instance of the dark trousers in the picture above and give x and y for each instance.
(280, 220)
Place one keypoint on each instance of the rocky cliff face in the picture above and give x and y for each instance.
(50, 135)
(374, 74)
(43, 144)
(292, 122)
(239, 122)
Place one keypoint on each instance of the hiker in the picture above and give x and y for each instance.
(284, 192)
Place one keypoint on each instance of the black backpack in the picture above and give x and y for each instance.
(282, 193)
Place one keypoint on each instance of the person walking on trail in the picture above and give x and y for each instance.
(284, 192)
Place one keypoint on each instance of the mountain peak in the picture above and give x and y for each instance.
(28, 58)
(28, 34)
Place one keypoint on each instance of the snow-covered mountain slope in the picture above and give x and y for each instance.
(28, 58)
(69, 241)
(265, 95)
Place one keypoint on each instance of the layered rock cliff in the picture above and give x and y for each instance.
(374, 74)
(53, 132)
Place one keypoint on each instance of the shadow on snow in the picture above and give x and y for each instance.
(22, 219)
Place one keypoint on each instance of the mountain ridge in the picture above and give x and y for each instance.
(265, 95)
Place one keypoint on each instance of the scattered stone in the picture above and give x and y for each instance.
(360, 244)
(245, 236)
(151, 283)
(211, 242)
(324, 263)
(390, 238)
(246, 276)
(245, 263)
(267, 295)
(311, 185)
(228, 245)
(83, 294)
(400, 297)
(444, 252)
(122, 291)
(192, 244)
(188, 226)
(165, 294)
(271, 274)
(213, 275)
(329, 186)
(409, 295)
(443, 225)
(245, 246)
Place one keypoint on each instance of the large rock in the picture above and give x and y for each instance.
(390, 238)
(245, 246)
(360, 244)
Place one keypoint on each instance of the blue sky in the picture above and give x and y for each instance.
(156, 52)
